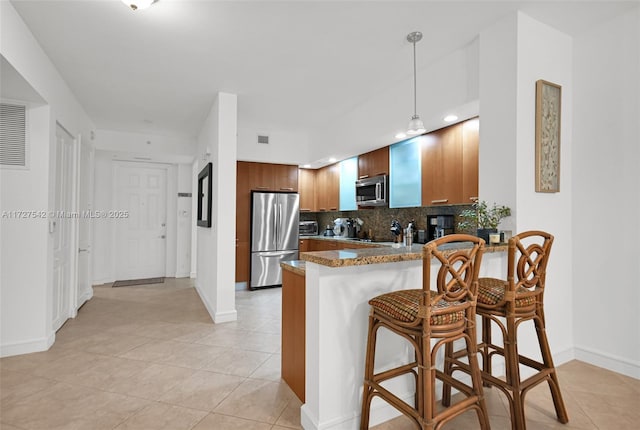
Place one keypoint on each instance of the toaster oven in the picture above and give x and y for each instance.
(308, 228)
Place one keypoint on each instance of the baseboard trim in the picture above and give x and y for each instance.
(27, 346)
(227, 316)
(608, 361)
(193, 275)
(217, 317)
(183, 275)
(88, 295)
(103, 281)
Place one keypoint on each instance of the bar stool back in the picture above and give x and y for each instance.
(421, 315)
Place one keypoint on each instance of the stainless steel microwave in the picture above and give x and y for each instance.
(372, 191)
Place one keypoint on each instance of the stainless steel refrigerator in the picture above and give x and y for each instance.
(274, 235)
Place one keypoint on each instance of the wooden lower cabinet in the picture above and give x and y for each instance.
(293, 331)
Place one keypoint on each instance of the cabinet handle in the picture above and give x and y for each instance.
(363, 177)
(381, 173)
(473, 198)
(262, 188)
(333, 209)
(322, 209)
(286, 189)
(440, 201)
(305, 210)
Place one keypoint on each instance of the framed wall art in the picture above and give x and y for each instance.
(205, 201)
(548, 108)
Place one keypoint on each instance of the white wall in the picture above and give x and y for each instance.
(448, 84)
(216, 245)
(171, 149)
(545, 53)
(285, 146)
(184, 222)
(26, 247)
(606, 194)
(515, 53)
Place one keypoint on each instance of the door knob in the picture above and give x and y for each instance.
(162, 237)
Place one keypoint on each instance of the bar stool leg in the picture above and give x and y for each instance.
(368, 371)
(554, 386)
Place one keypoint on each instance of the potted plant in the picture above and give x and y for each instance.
(483, 218)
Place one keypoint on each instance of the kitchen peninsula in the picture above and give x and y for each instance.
(335, 287)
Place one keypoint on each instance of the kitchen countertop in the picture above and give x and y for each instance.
(387, 253)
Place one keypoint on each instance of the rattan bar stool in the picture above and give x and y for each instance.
(508, 304)
(422, 315)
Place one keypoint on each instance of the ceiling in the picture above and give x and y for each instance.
(294, 65)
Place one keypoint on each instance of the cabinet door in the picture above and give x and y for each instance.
(333, 186)
(304, 245)
(285, 177)
(328, 188)
(470, 145)
(242, 261)
(405, 181)
(307, 190)
(373, 163)
(348, 176)
(442, 167)
(261, 176)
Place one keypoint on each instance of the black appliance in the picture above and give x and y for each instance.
(439, 226)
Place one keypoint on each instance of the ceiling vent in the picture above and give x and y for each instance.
(13, 135)
(263, 138)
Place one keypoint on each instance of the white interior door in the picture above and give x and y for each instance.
(85, 234)
(62, 227)
(140, 237)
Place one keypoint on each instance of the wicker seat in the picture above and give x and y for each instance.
(422, 315)
(508, 304)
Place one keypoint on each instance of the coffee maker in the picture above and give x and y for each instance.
(439, 226)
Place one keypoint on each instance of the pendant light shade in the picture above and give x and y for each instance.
(416, 126)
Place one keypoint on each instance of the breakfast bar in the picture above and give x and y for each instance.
(337, 287)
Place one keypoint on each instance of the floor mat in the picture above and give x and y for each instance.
(130, 282)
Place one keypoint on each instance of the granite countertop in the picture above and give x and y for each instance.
(388, 253)
(296, 266)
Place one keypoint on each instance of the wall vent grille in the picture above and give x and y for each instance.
(13, 135)
(264, 139)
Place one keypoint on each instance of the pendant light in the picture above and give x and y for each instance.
(416, 126)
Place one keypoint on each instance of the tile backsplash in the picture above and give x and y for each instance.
(378, 219)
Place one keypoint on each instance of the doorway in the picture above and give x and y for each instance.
(62, 227)
(140, 217)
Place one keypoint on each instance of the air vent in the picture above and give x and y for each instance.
(264, 139)
(13, 135)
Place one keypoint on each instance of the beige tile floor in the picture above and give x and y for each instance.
(149, 358)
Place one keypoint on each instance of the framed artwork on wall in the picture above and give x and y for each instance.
(548, 108)
(205, 201)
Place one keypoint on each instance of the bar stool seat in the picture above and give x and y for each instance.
(421, 316)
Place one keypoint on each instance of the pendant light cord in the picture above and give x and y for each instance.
(415, 86)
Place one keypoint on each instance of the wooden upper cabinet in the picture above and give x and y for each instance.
(261, 176)
(285, 177)
(450, 164)
(442, 167)
(307, 190)
(373, 163)
(328, 188)
(470, 160)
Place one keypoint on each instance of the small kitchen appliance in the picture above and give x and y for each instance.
(308, 228)
(439, 226)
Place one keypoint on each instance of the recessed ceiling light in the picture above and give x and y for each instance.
(450, 118)
(306, 166)
(400, 136)
(332, 160)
